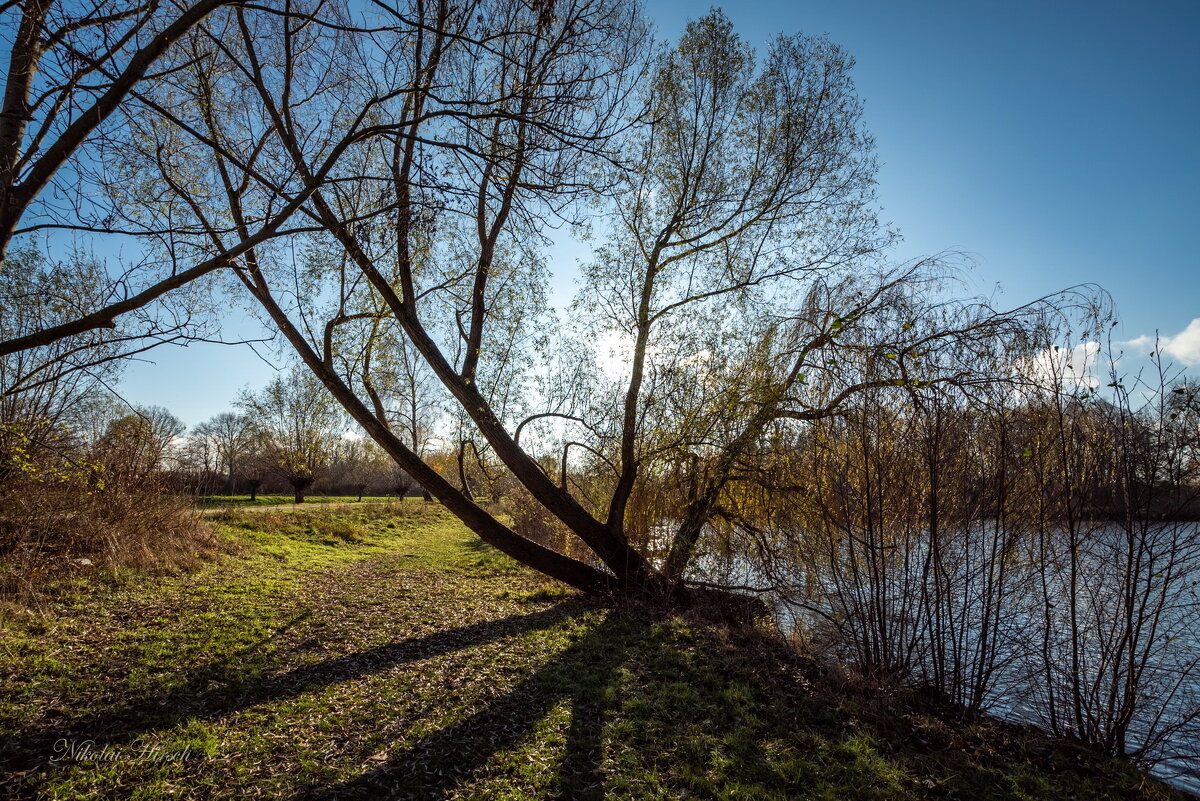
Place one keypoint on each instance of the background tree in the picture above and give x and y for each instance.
(129, 449)
(46, 388)
(1183, 417)
(166, 431)
(256, 467)
(401, 483)
(302, 425)
(360, 465)
(231, 436)
(201, 464)
(141, 444)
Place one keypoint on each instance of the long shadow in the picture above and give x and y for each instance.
(580, 675)
(580, 774)
(217, 689)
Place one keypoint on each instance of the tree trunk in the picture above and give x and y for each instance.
(606, 542)
(631, 574)
(23, 65)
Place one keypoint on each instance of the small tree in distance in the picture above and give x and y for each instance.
(255, 468)
(139, 444)
(300, 425)
(361, 464)
(231, 436)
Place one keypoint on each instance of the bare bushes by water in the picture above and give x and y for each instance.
(1032, 554)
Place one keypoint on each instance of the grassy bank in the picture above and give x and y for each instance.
(376, 652)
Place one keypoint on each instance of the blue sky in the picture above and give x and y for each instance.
(1054, 142)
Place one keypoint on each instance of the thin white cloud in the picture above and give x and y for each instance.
(1069, 367)
(1184, 347)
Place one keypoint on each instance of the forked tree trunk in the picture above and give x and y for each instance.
(628, 572)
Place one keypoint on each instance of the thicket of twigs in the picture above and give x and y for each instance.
(1022, 547)
(70, 506)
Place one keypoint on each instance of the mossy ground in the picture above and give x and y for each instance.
(385, 653)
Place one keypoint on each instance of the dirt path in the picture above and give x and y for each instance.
(297, 666)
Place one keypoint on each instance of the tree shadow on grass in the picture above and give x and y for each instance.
(223, 686)
(581, 675)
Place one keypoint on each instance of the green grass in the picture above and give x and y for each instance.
(237, 501)
(383, 652)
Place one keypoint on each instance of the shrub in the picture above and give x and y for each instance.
(65, 510)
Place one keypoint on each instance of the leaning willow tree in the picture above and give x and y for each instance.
(384, 183)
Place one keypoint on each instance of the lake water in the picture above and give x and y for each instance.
(1172, 673)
